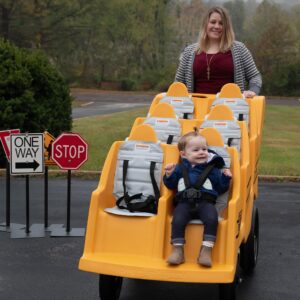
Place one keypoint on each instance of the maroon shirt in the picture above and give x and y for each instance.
(221, 72)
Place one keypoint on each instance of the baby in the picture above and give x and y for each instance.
(195, 203)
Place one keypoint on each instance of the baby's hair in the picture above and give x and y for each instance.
(187, 137)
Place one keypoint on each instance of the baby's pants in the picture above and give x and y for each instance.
(206, 212)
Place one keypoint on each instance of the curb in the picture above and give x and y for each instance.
(61, 173)
(96, 174)
(275, 178)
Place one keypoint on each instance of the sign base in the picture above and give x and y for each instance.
(57, 232)
(54, 227)
(35, 231)
(12, 226)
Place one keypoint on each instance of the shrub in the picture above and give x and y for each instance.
(128, 84)
(33, 95)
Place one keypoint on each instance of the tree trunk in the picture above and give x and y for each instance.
(5, 18)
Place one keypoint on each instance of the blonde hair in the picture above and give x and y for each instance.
(227, 38)
(183, 141)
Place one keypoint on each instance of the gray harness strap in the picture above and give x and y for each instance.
(150, 204)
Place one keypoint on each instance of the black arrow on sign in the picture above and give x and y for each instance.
(27, 165)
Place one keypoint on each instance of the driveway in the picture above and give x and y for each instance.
(97, 102)
(47, 268)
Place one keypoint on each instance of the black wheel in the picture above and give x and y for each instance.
(227, 291)
(110, 287)
(249, 250)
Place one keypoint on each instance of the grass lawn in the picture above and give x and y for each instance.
(101, 131)
(280, 152)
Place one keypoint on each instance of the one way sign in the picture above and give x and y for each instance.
(26, 153)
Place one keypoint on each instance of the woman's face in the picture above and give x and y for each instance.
(214, 28)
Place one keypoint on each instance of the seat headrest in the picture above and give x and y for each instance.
(178, 89)
(213, 137)
(220, 112)
(163, 110)
(230, 90)
(143, 133)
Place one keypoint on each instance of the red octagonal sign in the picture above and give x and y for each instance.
(69, 151)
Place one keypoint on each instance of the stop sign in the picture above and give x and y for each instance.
(69, 151)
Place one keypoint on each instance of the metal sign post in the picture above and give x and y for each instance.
(46, 198)
(48, 141)
(69, 152)
(5, 141)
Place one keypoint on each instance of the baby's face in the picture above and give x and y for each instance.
(195, 151)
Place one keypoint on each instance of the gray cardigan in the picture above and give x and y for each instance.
(245, 70)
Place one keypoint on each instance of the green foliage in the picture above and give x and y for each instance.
(272, 39)
(137, 43)
(33, 95)
(286, 81)
(128, 84)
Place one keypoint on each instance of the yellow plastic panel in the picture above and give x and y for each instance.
(138, 121)
(220, 112)
(246, 179)
(188, 125)
(202, 103)
(230, 90)
(260, 104)
(143, 133)
(155, 102)
(163, 110)
(257, 114)
(178, 89)
(213, 137)
(254, 148)
(234, 210)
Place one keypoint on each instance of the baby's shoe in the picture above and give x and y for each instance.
(204, 258)
(177, 255)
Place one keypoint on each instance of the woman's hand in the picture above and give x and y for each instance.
(169, 169)
(249, 94)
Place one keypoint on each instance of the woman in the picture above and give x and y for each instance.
(218, 59)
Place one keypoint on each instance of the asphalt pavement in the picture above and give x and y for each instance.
(47, 268)
(91, 102)
(96, 102)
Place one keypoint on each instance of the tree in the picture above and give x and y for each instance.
(187, 21)
(33, 95)
(129, 41)
(273, 42)
(237, 12)
(7, 8)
